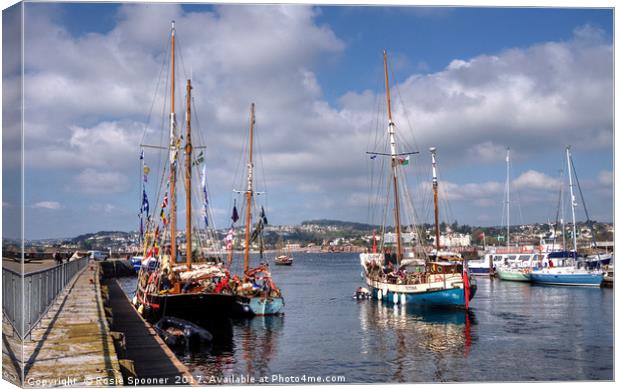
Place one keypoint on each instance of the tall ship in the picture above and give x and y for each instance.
(187, 281)
(413, 279)
(257, 291)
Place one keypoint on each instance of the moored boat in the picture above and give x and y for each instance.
(416, 280)
(571, 271)
(283, 260)
(258, 292)
(513, 274)
(202, 287)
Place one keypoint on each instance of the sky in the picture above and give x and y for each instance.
(469, 81)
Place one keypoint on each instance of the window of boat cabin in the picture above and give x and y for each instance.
(524, 257)
(512, 257)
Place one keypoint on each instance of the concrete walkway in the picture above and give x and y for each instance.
(72, 344)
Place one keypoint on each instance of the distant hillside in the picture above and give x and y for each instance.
(99, 235)
(340, 224)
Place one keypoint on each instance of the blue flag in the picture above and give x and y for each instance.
(145, 202)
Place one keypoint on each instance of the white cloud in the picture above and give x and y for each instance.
(535, 180)
(100, 182)
(528, 98)
(47, 205)
(606, 177)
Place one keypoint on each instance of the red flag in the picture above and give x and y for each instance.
(374, 243)
(466, 286)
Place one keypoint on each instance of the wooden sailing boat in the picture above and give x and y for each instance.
(258, 292)
(411, 281)
(196, 289)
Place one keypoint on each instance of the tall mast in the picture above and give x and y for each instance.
(508, 197)
(188, 177)
(394, 160)
(249, 193)
(572, 197)
(433, 151)
(173, 157)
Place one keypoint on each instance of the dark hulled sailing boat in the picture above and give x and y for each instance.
(201, 287)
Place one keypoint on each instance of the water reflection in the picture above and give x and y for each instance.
(258, 340)
(412, 339)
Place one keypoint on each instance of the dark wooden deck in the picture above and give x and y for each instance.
(154, 362)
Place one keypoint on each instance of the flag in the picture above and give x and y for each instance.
(157, 234)
(205, 205)
(141, 229)
(141, 154)
(163, 217)
(257, 230)
(466, 284)
(145, 202)
(404, 161)
(164, 203)
(230, 238)
(199, 159)
(262, 215)
(146, 170)
(235, 215)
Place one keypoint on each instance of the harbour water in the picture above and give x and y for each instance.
(514, 332)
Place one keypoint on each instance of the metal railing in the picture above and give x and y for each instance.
(40, 289)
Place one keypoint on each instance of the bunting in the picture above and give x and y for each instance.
(199, 159)
(163, 217)
(235, 214)
(146, 170)
(230, 237)
(145, 202)
(205, 205)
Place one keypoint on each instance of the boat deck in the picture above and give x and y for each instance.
(154, 362)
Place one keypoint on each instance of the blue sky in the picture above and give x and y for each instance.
(472, 80)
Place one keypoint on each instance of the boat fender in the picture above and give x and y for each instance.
(141, 309)
(385, 292)
(395, 298)
(134, 300)
(403, 299)
(379, 294)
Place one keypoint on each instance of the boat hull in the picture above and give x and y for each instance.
(261, 306)
(195, 306)
(568, 279)
(428, 295)
(479, 271)
(513, 276)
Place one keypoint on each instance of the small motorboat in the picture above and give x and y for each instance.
(283, 260)
(180, 333)
(362, 294)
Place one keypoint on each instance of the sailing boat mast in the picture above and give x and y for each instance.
(433, 151)
(188, 178)
(173, 157)
(508, 197)
(394, 160)
(572, 197)
(249, 193)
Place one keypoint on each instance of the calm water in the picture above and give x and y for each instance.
(514, 332)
